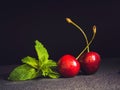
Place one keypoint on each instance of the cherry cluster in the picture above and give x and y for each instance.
(87, 61)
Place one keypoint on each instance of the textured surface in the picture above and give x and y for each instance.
(107, 78)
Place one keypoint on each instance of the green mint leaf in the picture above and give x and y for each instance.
(48, 72)
(48, 69)
(53, 74)
(51, 63)
(23, 72)
(41, 51)
(48, 64)
(31, 61)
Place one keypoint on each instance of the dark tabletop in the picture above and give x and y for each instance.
(106, 78)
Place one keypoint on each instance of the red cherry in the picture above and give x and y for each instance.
(90, 62)
(68, 66)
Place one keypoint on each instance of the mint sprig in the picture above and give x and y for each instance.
(23, 72)
(33, 68)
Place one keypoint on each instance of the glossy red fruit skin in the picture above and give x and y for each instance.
(90, 62)
(68, 66)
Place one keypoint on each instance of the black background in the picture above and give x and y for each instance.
(21, 23)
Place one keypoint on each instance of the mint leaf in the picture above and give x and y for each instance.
(48, 64)
(23, 72)
(53, 74)
(48, 72)
(31, 61)
(51, 63)
(41, 51)
(48, 69)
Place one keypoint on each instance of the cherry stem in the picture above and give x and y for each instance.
(94, 33)
(70, 21)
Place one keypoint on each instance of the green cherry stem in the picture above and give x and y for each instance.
(94, 33)
(71, 22)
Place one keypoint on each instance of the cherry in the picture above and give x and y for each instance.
(90, 62)
(68, 66)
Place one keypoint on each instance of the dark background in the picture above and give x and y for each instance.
(21, 23)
